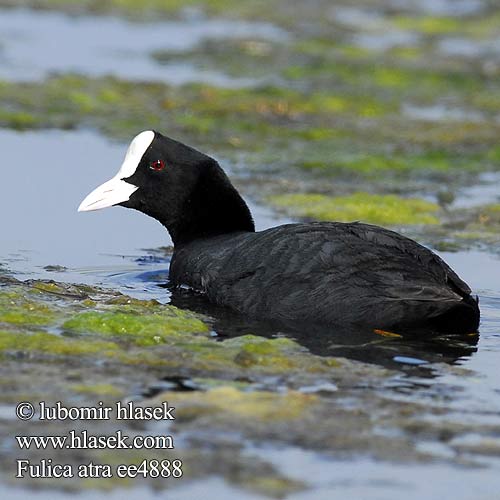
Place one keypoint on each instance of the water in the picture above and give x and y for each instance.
(441, 113)
(110, 248)
(377, 481)
(443, 7)
(485, 191)
(44, 190)
(99, 46)
(118, 248)
(374, 30)
(470, 48)
(107, 247)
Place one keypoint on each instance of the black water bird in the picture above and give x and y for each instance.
(320, 272)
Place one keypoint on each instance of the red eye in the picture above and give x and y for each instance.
(157, 165)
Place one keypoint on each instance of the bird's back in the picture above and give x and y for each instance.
(329, 273)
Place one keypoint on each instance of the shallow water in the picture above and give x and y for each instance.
(441, 113)
(36, 44)
(110, 247)
(444, 7)
(46, 174)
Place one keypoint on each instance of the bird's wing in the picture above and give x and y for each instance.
(334, 269)
(392, 240)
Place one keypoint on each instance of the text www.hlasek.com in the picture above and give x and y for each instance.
(83, 440)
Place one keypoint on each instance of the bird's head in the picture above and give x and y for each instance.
(184, 189)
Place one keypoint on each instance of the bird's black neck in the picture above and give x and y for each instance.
(214, 207)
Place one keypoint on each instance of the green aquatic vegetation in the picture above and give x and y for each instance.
(77, 325)
(407, 53)
(17, 310)
(467, 229)
(272, 485)
(377, 209)
(53, 344)
(126, 6)
(277, 101)
(487, 26)
(103, 389)
(338, 110)
(19, 120)
(486, 218)
(429, 25)
(494, 208)
(226, 119)
(375, 163)
(494, 155)
(231, 402)
(136, 305)
(402, 80)
(27, 315)
(142, 329)
(472, 26)
(258, 345)
(250, 57)
(255, 121)
(64, 321)
(472, 139)
(71, 100)
(47, 286)
(148, 9)
(205, 383)
(254, 350)
(255, 355)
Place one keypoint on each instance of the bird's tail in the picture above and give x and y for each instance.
(462, 318)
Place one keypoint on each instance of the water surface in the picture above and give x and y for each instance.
(46, 174)
(35, 44)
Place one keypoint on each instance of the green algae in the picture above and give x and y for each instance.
(481, 224)
(377, 209)
(97, 389)
(468, 229)
(242, 58)
(17, 310)
(245, 120)
(342, 129)
(28, 315)
(142, 329)
(273, 486)
(255, 405)
(139, 332)
(147, 9)
(254, 355)
(361, 129)
(374, 164)
(53, 344)
(259, 345)
(63, 321)
(473, 26)
(205, 383)
(429, 25)
(253, 351)
(20, 120)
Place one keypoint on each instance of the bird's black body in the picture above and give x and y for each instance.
(328, 273)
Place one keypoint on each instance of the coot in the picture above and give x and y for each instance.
(322, 272)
